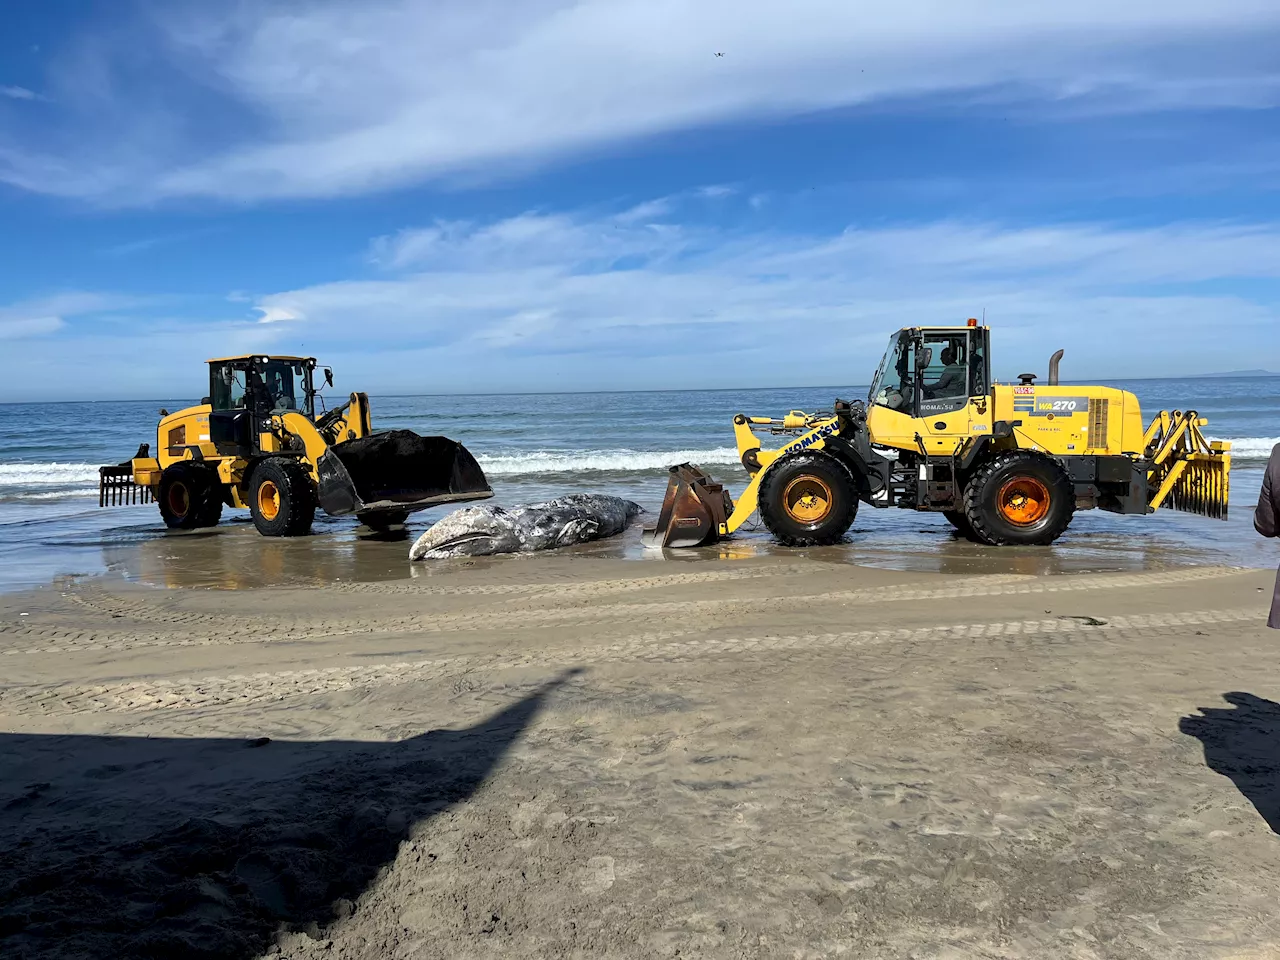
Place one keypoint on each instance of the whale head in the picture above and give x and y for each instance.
(469, 532)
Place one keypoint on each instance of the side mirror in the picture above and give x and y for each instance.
(328, 377)
(164, 412)
(205, 401)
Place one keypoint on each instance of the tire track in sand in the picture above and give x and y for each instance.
(225, 630)
(661, 647)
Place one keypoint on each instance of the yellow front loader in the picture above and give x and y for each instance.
(258, 442)
(1006, 464)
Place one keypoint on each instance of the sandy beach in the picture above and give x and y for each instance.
(576, 756)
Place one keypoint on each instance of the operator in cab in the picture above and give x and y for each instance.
(952, 382)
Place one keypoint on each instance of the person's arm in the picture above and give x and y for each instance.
(949, 383)
(1265, 518)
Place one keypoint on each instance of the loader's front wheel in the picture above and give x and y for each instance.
(808, 499)
(1019, 498)
(281, 498)
(189, 496)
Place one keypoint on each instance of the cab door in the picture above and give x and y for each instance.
(952, 401)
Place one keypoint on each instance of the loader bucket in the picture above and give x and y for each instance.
(692, 511)
(395, 473)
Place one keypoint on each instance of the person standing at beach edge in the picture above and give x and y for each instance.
(1266, 520)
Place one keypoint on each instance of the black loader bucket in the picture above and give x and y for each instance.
(392, 474)
(692, 510)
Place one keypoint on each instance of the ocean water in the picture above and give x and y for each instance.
(536, 446)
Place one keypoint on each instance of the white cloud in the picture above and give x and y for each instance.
(18, 93)
(278, 313)
(23, 327)
(341, 97)
(540, 301)
(588, 300)
(46, 315)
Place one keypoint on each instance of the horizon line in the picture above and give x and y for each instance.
(549, 393)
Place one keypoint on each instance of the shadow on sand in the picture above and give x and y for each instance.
(204, 848)
(1243, 744)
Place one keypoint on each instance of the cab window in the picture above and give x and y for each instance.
(944, 372)
(273, 387)
(228, 387)
(946, 375)
(894, 383)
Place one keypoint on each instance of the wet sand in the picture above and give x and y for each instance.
(576, 755)
(39, 542)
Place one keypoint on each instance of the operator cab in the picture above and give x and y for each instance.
(245, 392)
(929, 371)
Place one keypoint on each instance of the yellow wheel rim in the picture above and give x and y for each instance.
(268, 500)
(807, 499)
(179, 500)
(1023, 501)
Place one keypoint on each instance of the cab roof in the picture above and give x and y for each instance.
(269, 356)
(932, 326)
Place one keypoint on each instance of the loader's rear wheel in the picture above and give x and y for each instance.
(1019, 498)
(808, 499)
(281, 498)
(189, 496)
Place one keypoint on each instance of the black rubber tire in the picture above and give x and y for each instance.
(961, 522)
(189, 496)
(982, 491)
(792, 532)
(213, 508)
(297, 498)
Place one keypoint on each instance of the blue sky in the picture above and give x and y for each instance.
(501, 196)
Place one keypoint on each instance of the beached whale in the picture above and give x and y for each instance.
(480, 531)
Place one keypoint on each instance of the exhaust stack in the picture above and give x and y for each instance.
(1053, 367)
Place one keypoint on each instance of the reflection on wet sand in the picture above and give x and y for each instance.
(233, 555)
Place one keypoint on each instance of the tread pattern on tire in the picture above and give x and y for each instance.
(298, 499)
(836, 527)
(975, 509)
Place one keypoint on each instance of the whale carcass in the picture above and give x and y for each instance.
(480, 531)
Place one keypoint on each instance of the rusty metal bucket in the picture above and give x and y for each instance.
(692, 511)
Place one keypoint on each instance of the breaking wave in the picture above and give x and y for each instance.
(48, 474)
(1251, 448)
(48, 481)
(611, 461)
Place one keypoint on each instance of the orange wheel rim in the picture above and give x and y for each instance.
(179, 500)
(807, 499)
(268, 500)
(1024, 501)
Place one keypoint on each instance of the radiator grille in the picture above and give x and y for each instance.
(1099, 414)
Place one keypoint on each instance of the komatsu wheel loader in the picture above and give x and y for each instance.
(1006, 464)
(257, 441)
